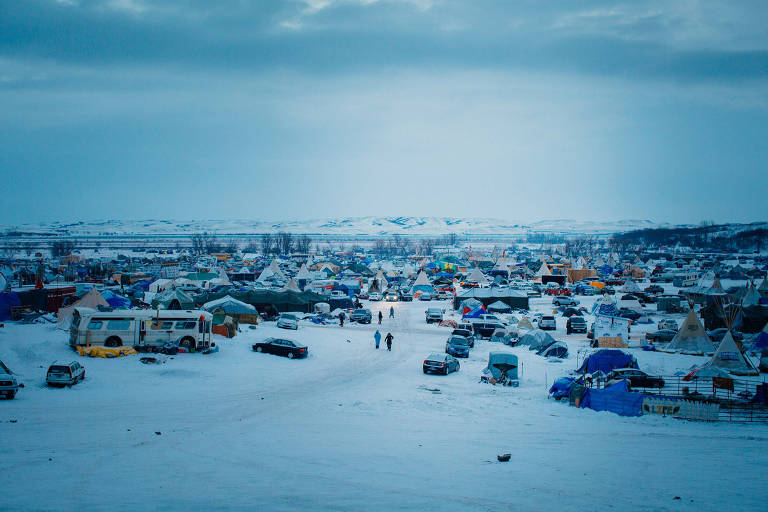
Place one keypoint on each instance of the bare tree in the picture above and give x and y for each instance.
(284, 242)
(231, 247)
(62, 248)
(267, 243)
(427, 246)
(303, 243)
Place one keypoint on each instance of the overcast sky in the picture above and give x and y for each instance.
(527, 110)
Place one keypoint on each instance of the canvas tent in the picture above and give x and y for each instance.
(728, 357)
(173, 299)
(477, 276)
(291, 287)
(498, 307)
(536, 339)
(92, 299)
(691, 338)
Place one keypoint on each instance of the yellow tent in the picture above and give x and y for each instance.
(597, 284)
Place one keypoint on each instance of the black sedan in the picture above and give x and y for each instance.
(654, 288)
(441, 363)
(629, 314)
(282, 347)
(660, 336)
(637, 378)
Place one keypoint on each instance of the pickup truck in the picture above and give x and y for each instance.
(434, 315)
(9, 385)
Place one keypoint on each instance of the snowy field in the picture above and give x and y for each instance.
(351, 428)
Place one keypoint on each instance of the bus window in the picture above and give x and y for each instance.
(186, 325)
(94, 325)
(164, 325)
(119, 325)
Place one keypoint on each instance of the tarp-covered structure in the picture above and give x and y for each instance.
(264, 300)
(615, 398)
(607, 359)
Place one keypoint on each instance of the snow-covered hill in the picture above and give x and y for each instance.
(338, 226)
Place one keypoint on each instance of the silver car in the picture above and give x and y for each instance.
(286, 321)
(65, 374)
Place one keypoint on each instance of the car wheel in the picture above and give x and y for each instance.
(112, 342)
(259, 349)
(446, 371)
(11, 395)
(290, 355)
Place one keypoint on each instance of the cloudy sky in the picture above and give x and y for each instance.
(522, 110)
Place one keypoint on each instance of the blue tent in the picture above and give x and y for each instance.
(475, 313)
(606, 360)
(116, 301)
(7, 301)
(616, 399)
(561, 388)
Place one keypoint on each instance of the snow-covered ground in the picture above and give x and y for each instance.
(351, 428)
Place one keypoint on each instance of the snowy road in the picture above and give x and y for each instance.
(350, 428)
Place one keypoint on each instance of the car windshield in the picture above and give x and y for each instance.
(458, 340)
(436, 357)
(287, 317)
(59, 369)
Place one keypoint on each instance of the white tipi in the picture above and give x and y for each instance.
(691, 338)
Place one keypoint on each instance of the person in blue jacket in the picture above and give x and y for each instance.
(377, 338)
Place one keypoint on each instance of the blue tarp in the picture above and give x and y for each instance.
(7, 301)
(759, 342)
(606, 360)
(616, 399)
(115, 301)
(561, 388)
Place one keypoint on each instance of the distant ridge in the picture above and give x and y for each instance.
(335, 226)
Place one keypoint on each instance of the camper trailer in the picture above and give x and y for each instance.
(141, 328)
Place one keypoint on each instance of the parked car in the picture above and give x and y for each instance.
(282, 347)
(576, 324)
(631, 314)
(637, 378)
(668, 323)
(444, 295)
(440, 363)
(425, 296)
(457, 346)
(484, 330)
(363, 296)
(434, 315)
(466, 333)
(287, 321)
(406, 297)
(9, 384)
(374, 297)
(391, 296)
(654, 288)
(661, 336)
(338, 294)
(562, 300)
(65, 374)
(547, 323)
(362, 316)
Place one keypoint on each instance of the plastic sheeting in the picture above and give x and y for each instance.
(616, 399)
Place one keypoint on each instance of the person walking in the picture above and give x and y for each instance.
(389, 341)
(377, 338)
(391, 312)
(380, 317)
(341, 318)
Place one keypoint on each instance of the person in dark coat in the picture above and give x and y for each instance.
(341, 318)
(391, 312)
(389, 341)
(380, 317)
